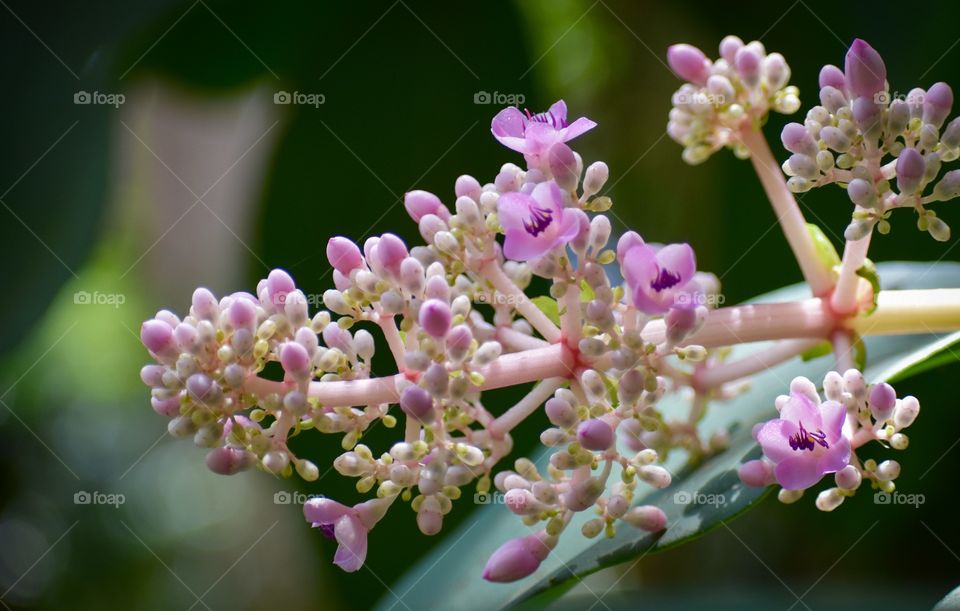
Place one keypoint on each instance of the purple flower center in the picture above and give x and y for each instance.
(327, 530)
(804, 440)
(540, 219)
(664, 280)
(547, 118)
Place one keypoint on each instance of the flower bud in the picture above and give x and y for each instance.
(848, 478)
(418, 404)
(797, 139)
(689, 63)
(757, 473)
(458, 342)
(279, 283)
(344, 255)
(829, 499)
(831, 76)
(948, 187)
(563, 166)
(435, 317)
(595, 435)
(228, 461)
(937, 104)
(747, 64)
(421, 203)
(864, 70)
(467, 186)
(906, 412)
(517, 558)
(729, 47)
(595, 177)
(655, 475)
(560, 413)
(646, 517)
(910, 171)
(157, 336)
(882, 401)
(205, 305)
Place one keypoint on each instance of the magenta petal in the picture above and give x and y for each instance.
(569, 225)
(774, 438)
(548, 195)
(678, 259)
(352, 537)
(513, 208)
(580, 126)
(836, 457)
(521, 246)
(559, 110)
(798, 473)
(801, 409)
(323, 511)
(509, 122)
(832, 415)
(639, 266)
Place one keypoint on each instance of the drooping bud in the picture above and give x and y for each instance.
(517, 558)
(646, 517)
(421, 203)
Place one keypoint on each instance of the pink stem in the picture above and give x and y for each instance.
(844, 300)
(529, 310)
(788, 212)
(526, 406)
(784, 350)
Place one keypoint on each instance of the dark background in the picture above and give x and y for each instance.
(103, 199)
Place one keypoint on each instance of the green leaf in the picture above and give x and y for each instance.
(950, 602)
(824, 248)
(549, 306)
(822, 349)
(455, 566)
(869, 273)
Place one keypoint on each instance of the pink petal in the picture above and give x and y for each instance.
(678, 259)
(521, 246)
(324, 511)
(548, 195)
(513, 209)
(559, 110)
(580, 126)
(508, 127)
(798, 472)
(352, 537)
(836, 457)
(774, 438)
(639, 266)
(800, 409)
(569, 225)
(833, 415)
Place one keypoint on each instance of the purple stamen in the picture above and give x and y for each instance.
(540, 219)
(665, 280)
(804, 440)
(547, 118)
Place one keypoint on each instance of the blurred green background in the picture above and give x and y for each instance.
(112, 210)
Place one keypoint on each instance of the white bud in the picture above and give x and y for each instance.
(829, 499)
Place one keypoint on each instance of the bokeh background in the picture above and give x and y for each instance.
(184, 170)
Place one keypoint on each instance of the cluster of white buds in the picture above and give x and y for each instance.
(722, 97)
(813, 438)
(847, 139)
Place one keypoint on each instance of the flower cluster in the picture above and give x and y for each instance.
(859, 124)
(813, 438)
(723, 97)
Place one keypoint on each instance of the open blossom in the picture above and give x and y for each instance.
(658, 278)
(533, 135)
(348, 525)
(806, 442)
(536, 223)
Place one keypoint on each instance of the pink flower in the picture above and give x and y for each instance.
(658, 278)
(535, 223)
(806, 442)
(533, 135)
(348, 525)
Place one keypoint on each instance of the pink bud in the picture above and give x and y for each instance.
(341, 282)
(747, 64)
(422, 203)
(418, 404)
(864, 70)
(435, 317)
(204, 304)
(882, 401)
(228, 461)
(166, 407)
(186, 336)
(910, 170)
(429, 522)
(797, 139)
(560, 413)
(336, 337)
(647, 517)
(294, 359)
(729, 47)
(391, 251)
(757, 473)
(595, 434)
(516, 559)
(563, 166)
(152, 375)
(467, 186)
(279, 283)
(831, 76)
(458, 341)
(937, 104)
(680, 322)
(344, 255)
(242, 314)
(157, 336)
(199, 385)
(689, 63)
